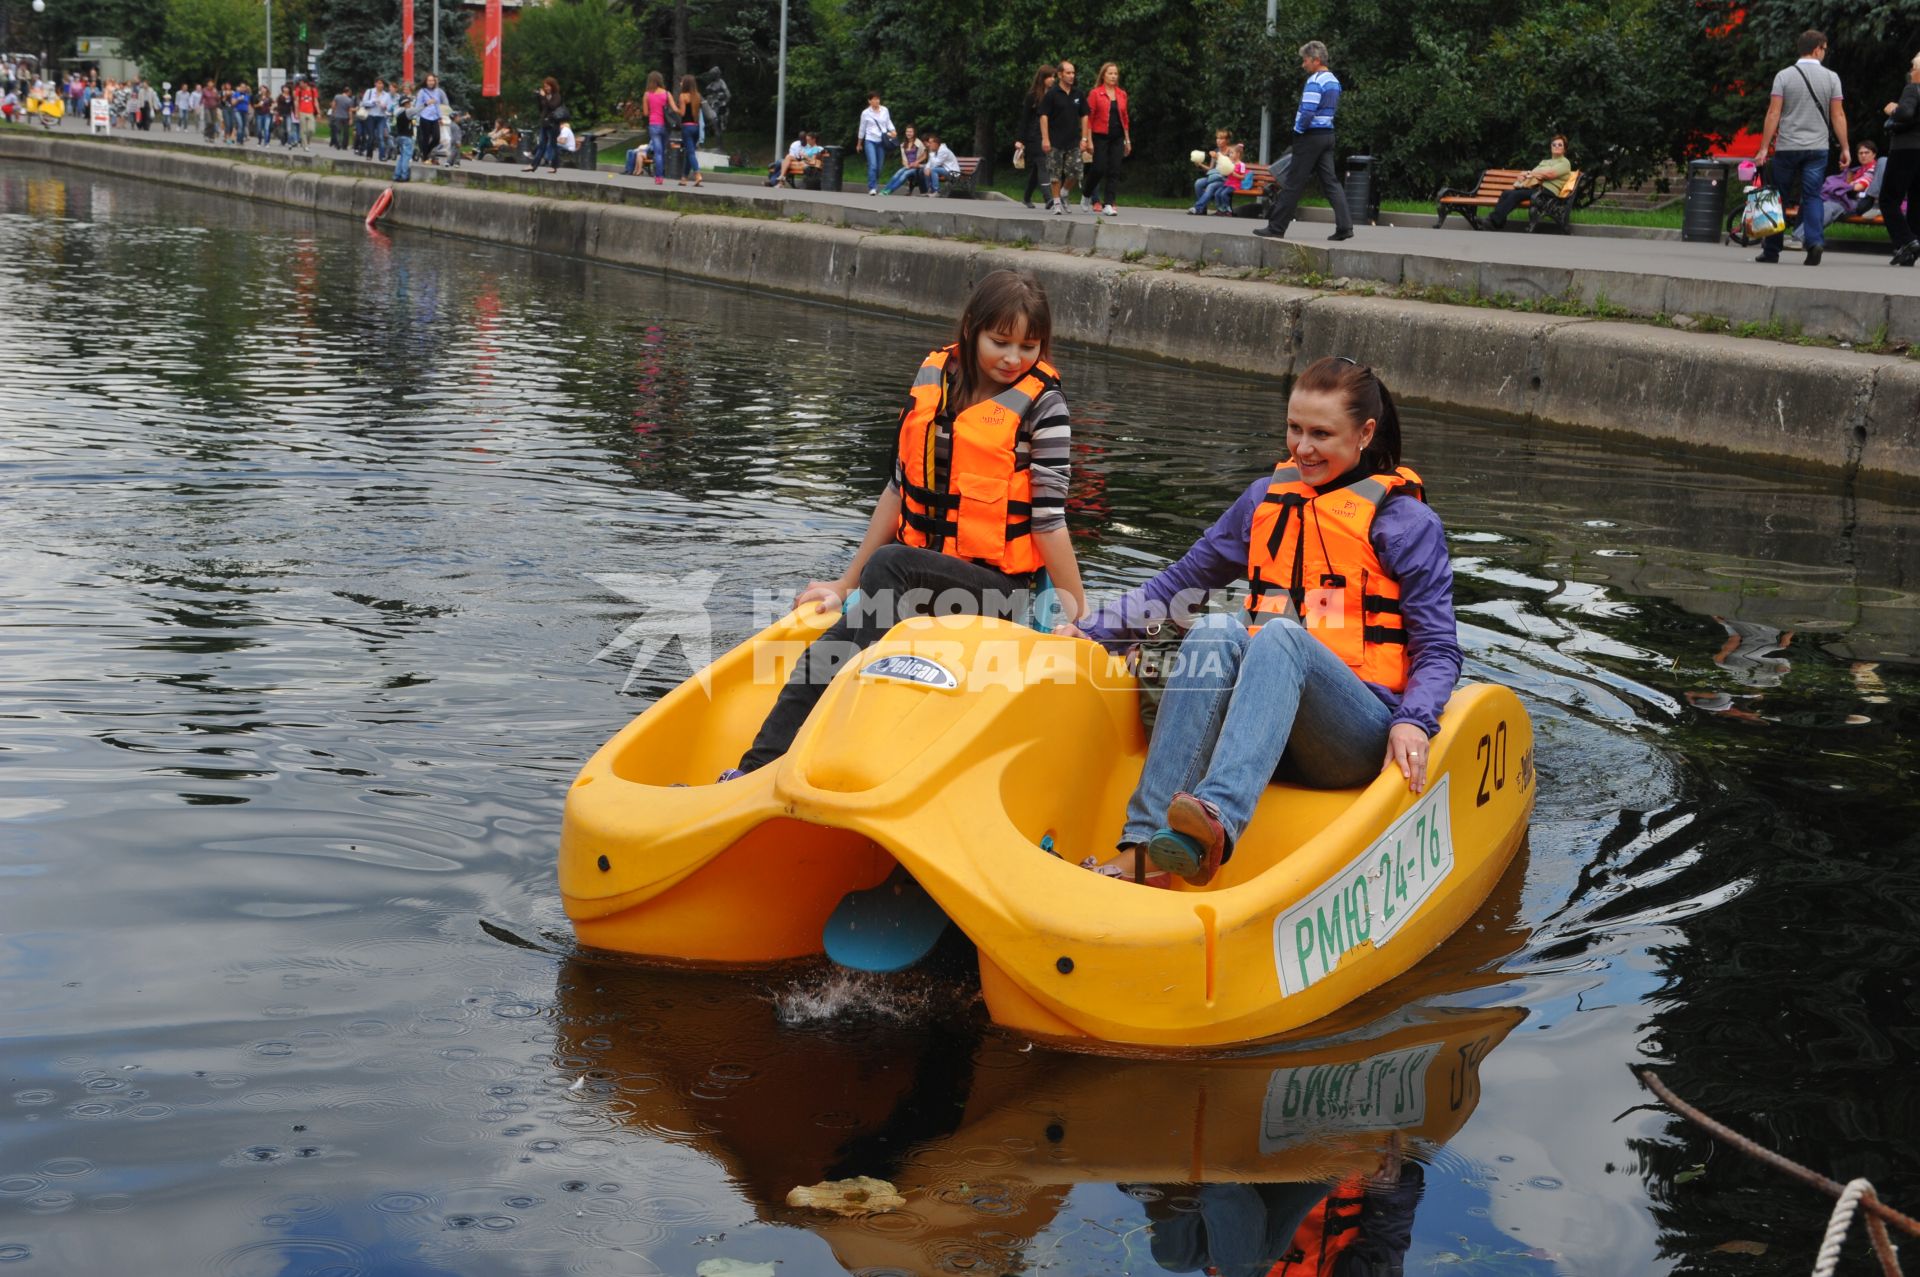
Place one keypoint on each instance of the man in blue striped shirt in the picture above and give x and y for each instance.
(1312, 153)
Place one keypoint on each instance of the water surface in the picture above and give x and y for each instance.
(315, 543)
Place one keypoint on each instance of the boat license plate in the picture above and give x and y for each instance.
(1371, 897)
(1385, 1092)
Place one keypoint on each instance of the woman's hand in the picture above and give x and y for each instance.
(1407, 750)
(1129, 147)
(1067, 629)
(826, 596)
(1891, 107)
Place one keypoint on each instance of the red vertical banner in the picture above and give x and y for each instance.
(490, 58)
(406, 41)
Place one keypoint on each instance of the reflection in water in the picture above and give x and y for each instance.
(979, 1140)
(306, 550)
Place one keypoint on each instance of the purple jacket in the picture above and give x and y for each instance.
(1412, 545)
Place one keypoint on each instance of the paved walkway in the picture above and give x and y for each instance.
(1643, 276)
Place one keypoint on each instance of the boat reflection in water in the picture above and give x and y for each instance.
(986, 1136)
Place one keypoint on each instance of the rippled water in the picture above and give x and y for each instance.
(314, 542)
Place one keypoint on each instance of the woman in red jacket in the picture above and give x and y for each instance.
(1112, 136)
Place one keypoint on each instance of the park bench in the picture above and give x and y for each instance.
(1542, 205)
(1257, 194)
(962, 187)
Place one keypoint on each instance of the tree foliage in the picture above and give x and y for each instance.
(590, 47)
(206, 40)
(1739, 44)
(362, 41)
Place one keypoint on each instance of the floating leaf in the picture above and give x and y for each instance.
(1742, 1248)
(1691, 1173)
(861, 1195)
(732, 1268)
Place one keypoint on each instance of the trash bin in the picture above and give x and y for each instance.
(587, 152)
(1706, 207)
(1361, 205)
(676, 161)
(832, 159)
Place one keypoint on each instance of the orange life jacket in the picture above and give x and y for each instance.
(968, 494)
(1325, 1233)
(1310, 560)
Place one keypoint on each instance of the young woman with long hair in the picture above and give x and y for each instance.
(655, 103)
(1029, 136)
(689, 106)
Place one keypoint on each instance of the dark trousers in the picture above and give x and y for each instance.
(945, 586)
(1509, 200)
(1311, 157)
(426, 138)
(337, 131)
(1900, 183)
(1797, 176)
(1036, 168)
(1109, 149)
(548, 146)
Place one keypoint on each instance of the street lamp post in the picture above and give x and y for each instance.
(269, 43)
(436, 39)
(780, 103)
(1266, 108)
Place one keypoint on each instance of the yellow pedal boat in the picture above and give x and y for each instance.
(958, 749)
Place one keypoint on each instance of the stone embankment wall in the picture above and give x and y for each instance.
(1809, 407)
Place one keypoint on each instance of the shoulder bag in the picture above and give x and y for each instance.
(1826, 118)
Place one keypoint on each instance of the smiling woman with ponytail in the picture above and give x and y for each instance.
(1346, 651)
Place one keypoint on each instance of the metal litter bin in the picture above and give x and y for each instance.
(832, 160)
(587, 151)
(1361, 205)
(676, 164)
(1702, 221)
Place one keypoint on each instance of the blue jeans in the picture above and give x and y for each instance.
(1797, 176)
(547, 145)
(1211, 187)
(633, 162)
(1236, 704)
(904, 175)
(876, 150)
(403, 166)
(690, 145)
(657, 141)
(933, 179)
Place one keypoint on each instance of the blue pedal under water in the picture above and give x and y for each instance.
(885, 928)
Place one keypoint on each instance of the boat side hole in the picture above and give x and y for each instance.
(1209, 929)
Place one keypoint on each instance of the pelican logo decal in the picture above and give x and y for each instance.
(912, 669)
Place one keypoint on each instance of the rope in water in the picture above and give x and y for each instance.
(1852, 1196)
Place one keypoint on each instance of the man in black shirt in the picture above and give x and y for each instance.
(1066, 137)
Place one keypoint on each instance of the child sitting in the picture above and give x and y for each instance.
(1225, 171)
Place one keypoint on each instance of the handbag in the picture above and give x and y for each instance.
(1763, 216)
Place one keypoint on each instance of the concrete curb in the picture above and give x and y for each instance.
(1856, 316)
(1840, 411)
